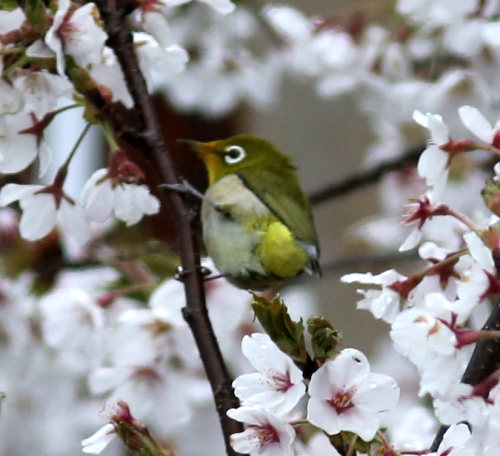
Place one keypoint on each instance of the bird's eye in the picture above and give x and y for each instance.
(234, 154)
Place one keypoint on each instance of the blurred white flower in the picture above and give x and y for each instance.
(72, 323)
(76, 33)
(17, 149)
(115, 190)
(43, 208)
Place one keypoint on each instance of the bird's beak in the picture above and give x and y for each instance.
(206, 151)
(193, 145)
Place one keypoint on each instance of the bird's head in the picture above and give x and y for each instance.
(240, 152)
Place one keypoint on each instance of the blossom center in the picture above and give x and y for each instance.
(341, 402)
(266, 433)
(282, 382)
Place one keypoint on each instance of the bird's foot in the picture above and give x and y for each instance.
(181, 274)
(214, 277)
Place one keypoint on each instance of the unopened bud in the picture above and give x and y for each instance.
(491, 196)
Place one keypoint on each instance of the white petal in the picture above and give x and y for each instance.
(72, 218)
(100, 440)
(97, 196)
(432, 164)
(378, 392)
(323, 416)
(365, 278)
(476, 123)
(13, 192)
(420, 118)
(479, 252)
(221, 6)
(412, 240)
(266, 357)
(39, 216)
(107, 378)
(245, 442)
(438, 129)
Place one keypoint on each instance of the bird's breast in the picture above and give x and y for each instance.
(232, 240)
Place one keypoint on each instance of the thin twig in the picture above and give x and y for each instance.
(364, 178)
(120, 40)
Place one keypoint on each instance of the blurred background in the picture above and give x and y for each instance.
(327, 140)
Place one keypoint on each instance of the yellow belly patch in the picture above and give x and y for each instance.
(280, 253)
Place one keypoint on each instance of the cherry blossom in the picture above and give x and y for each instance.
(18, 148)
(148, 389)
(384, 303)
(266, 433)
(115, 190)
(416, 333)
(278, 385)
(75, 33)
(43, 208)
(72, 323)
(346, 396)
(460, 404)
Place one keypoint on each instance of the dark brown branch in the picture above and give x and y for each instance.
(485, 360)
(364, 178)
(120, 40)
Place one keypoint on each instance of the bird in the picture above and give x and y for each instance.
(257, 222)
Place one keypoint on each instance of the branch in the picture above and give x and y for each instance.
(195, 312)
(484, 361)
(349, 262)
(370, 176)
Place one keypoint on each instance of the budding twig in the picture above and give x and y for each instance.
(364, 178)
(120, 40)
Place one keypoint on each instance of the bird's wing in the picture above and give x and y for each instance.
(282, 194)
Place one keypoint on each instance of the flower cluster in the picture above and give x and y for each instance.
(434, 311)
(343, 395)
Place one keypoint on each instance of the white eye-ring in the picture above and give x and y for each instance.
(234, 154)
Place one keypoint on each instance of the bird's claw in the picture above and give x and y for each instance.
(181, 274)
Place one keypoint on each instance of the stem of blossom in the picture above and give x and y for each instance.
(149, 136)
(17, 64)
(63, 170)
(404, 287)
(110, 137)
(449, 259)
(472, 337)
(352, 446)
(107, 299)
(65, 108)
(388, 448)
(487, 147)
(468, 223)
(299, 422)
(15, 50)
(415, 452)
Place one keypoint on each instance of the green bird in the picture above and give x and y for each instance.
(258, 226)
